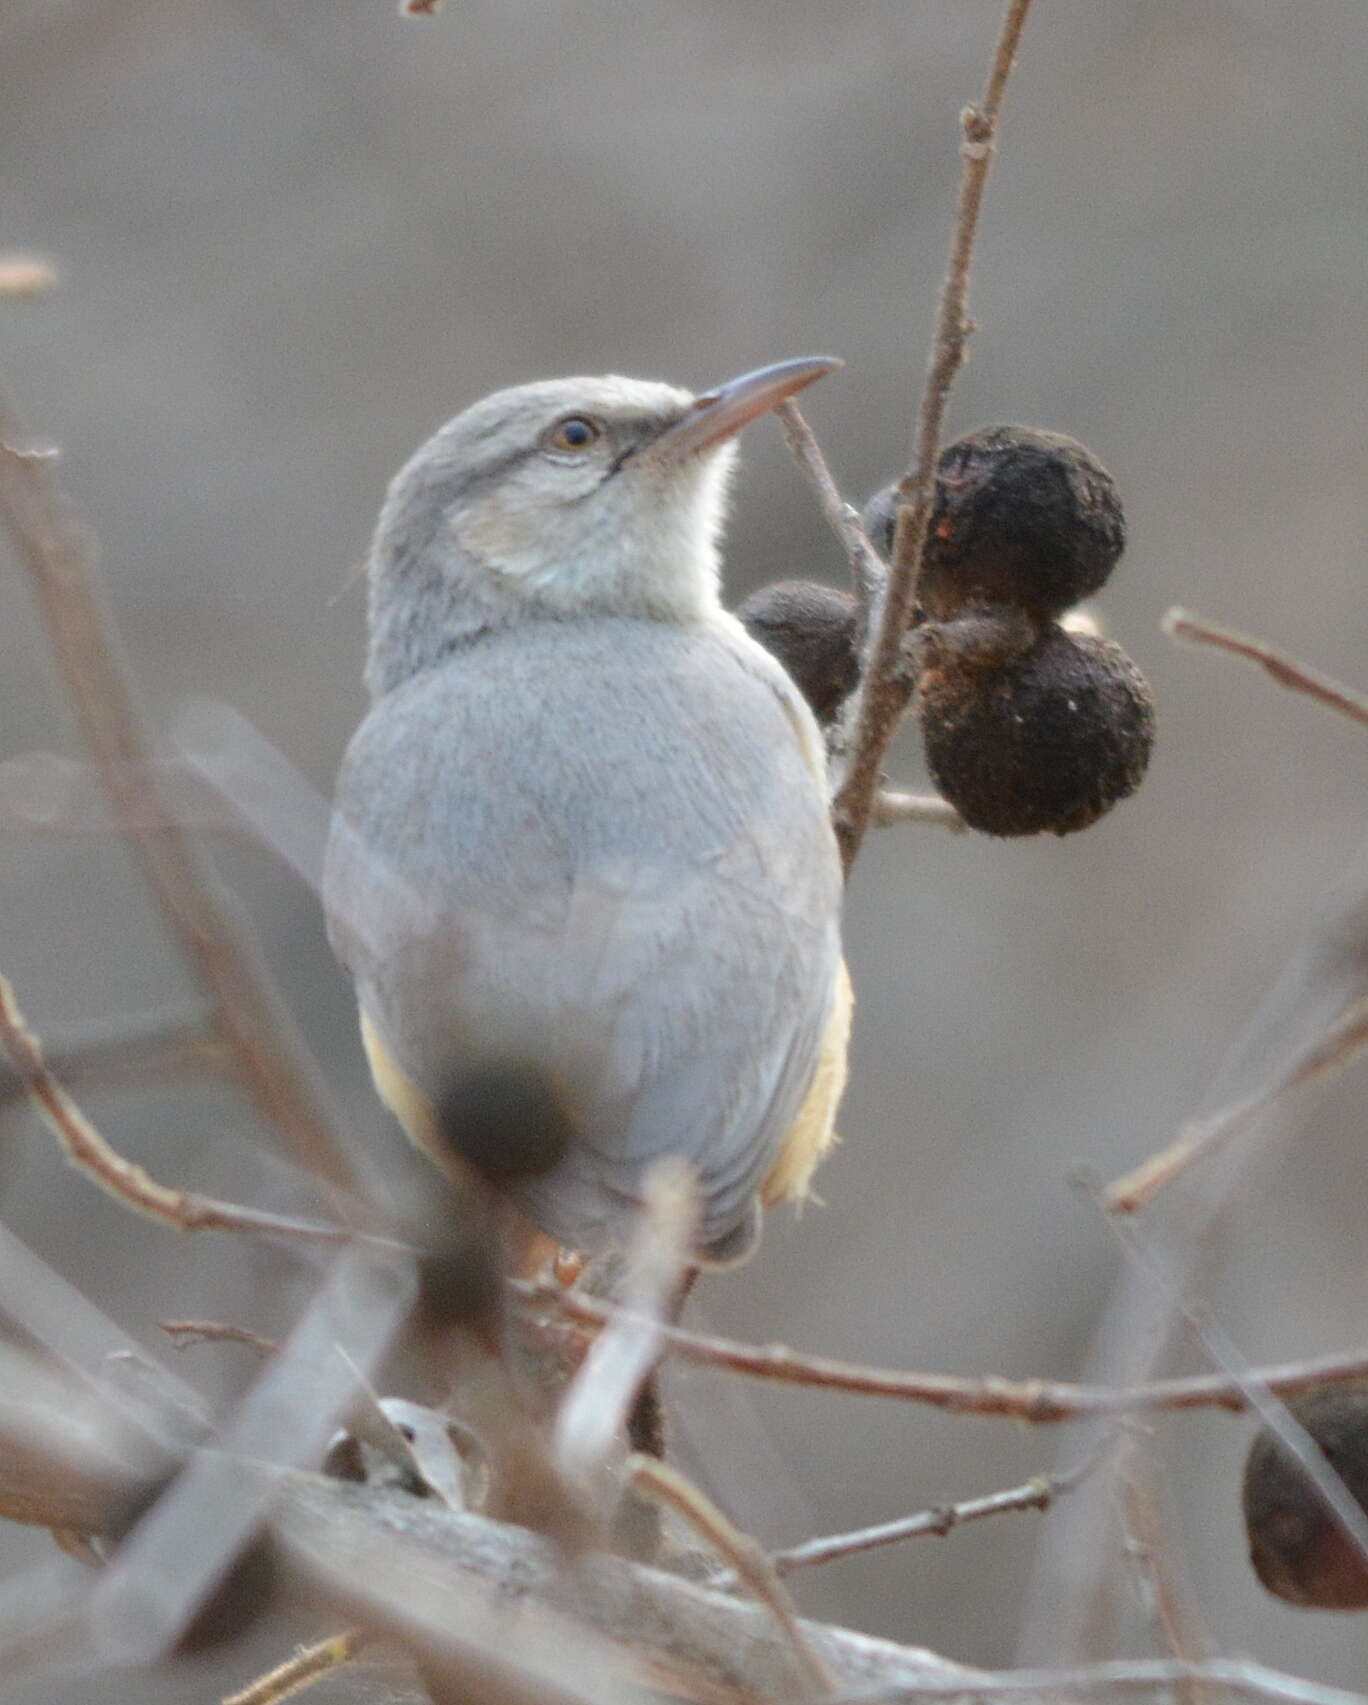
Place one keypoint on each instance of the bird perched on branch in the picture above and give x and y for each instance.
(581, 840)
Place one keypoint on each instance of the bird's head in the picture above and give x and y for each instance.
(561, 498)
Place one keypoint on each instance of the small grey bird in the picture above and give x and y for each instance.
(584, 826)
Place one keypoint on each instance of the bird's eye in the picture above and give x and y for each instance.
(576, 432)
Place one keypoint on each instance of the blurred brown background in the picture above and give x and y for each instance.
(296, 234)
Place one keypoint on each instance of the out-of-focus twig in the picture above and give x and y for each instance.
(886, 685)
(867, 570)
(1039, 1401)
(57, 551)
(1240, 1678)
(593, 1413)
(1286, 671)
(308, 1665)
(127, 1182)
(146, 1044)
(1177, 1618)
(1200, 1138)
(184, 1334)
(1037, 1494)
(890, 808)
(665, 1485)
(23, 277)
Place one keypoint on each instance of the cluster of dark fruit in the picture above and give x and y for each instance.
(1028, 726)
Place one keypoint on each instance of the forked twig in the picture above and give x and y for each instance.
(886, 686)
(1286, 671)
(665, 1485)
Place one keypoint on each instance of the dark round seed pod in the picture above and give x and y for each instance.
(1047, 740)
(1022, 517)
(812, 630)
(1299, 1551)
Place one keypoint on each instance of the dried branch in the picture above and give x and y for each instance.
(666, 1486)
(1200, 1138)
(1036, 1494)
(868, 571)
(1240, 1677)
(1178, 1621)
(308, 1665)
(886, 686)
(1286, 671)
(890, 808)
(185, 1334)
(122, 1179)
(1038, 1401)
(56, 549)
(160, 1043)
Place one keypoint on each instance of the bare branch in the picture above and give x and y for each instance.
(665, 1485)
(1286, 671)
(1036, 1494)
(890, 808)
(1177, 1618)
(868, 571)
(1200, 1138)
(185, 1334)
(1238, 1676)
(885, 688)
(56, 549)
(308, 1665)
(1039, 1401)
(122, 1179)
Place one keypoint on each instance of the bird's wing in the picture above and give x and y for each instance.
(600, 845)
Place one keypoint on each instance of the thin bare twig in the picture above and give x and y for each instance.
(133, 1048)
(185, 1334)
(890, 808)
(56, 549)
(868, 571)
(1286, 671)
(1239, 1676)
(1039, 1401)
(665, 1485)
(1200, 1138)
(1178, 1620)
(308, 1665)
(127, 1182)
(1036, 1494)
(886, 685)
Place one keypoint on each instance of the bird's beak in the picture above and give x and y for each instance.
(721, 413)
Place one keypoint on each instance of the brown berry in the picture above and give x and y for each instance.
(1022, 517)
(812, 630)
(1047, 739)
(1299, 1551)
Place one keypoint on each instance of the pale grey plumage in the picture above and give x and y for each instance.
(602, 794)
